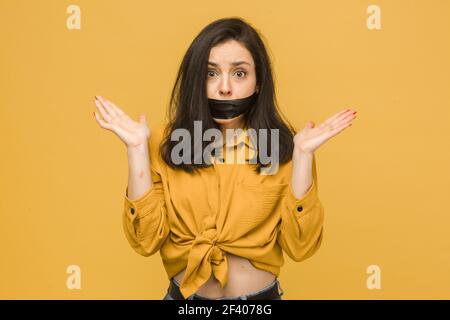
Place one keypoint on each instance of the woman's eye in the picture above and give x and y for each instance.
(241, 72)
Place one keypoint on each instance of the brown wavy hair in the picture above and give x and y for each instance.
(189, 101)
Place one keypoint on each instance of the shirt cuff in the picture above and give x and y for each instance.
(303, 205)
(134, 208)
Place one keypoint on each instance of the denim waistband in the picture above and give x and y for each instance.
(243, 297)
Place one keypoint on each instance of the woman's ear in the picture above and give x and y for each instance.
(257, 89)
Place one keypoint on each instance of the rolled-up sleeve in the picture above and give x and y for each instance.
(145, 218)
(301, 228)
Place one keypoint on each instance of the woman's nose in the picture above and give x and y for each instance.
(225, 92)
(225, 88)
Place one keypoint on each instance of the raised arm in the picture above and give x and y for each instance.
(144, 214)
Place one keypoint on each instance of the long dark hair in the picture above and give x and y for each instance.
(189, 101)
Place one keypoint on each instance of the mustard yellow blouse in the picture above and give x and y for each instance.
(194, 219)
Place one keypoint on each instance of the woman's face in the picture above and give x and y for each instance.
(231, 75)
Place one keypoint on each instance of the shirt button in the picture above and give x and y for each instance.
(132, 210)
(299, 208)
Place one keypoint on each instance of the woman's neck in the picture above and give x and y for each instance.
(236, 125)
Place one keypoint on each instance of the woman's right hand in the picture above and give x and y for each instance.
(111, 117)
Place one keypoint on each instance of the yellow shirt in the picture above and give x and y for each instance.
(193, 219)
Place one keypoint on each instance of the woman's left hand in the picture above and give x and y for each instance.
(308, 139)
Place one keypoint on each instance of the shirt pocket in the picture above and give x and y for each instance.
(255, 206)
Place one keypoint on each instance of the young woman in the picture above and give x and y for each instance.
(221, 225)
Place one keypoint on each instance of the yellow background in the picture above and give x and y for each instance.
(384, 182)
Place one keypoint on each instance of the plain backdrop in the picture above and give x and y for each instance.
(384, 182)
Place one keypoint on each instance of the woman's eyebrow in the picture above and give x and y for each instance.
(235, 63)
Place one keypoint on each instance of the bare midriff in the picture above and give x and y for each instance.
(243, 278)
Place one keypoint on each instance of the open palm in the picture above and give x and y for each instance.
(111, 117)
(311, 137)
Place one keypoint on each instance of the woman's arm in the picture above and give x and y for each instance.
(145, 218)
(301, 179)
(139, 167)
(302, 217)
(144, 215)
(301, 229)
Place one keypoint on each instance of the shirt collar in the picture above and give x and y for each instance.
(238, 142)
(242, 138)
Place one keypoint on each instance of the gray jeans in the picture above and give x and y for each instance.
(242, 297)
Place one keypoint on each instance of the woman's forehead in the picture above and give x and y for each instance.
(230, 53)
